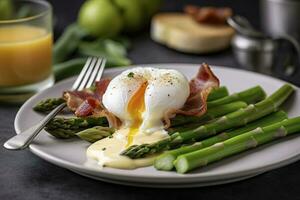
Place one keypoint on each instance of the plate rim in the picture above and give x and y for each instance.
(169, 185)
(66, 164)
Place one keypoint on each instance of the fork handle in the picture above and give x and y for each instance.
(22, 140)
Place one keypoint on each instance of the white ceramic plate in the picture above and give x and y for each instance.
(70, 154)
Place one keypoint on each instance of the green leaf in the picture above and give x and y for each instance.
(67, 43)
(115, 52)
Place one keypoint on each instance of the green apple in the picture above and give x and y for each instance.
(6, 9)
(132, 12)
(100, 18)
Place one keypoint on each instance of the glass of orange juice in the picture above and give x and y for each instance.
(25, 48)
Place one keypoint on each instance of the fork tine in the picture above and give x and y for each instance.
(87, 75)
(99, 74)
(82, 74)
(95, 72)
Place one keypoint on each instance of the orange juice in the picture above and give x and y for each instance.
(25, 55)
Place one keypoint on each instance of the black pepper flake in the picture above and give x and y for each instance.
(168, 95)
(103, 149)
(130, 74)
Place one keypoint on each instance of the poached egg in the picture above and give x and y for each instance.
(139, 97)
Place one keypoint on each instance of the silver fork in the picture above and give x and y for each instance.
(91, 72)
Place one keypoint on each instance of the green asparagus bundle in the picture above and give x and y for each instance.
(165, 161)
(96, 133)
(235, 119)
(211, 113)
(251, 95)
(68, 127)
(240, 143)
(47, 105)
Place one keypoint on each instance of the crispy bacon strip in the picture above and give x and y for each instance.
(200, 87)
(101, 87)
(87, 107)
(85, 103)
(82, 101)
(75, 98)
(94, 101)
(208, 15)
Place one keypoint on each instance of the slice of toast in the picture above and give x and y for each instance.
(179, 31)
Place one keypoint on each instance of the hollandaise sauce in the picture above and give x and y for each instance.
(107, 151)
(25, 55)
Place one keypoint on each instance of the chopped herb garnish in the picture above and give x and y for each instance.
(104, 149)
(130, 74)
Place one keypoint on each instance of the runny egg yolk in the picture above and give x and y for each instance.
(135, 108)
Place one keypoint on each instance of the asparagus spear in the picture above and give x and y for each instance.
(96, 133)
(251, 95)
(212, 113)
(218, 93)
(238, 118)
(47, 105)
(240, 143)
(68, 127)
(165, 161)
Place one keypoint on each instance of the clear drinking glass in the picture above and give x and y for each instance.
(25, 48)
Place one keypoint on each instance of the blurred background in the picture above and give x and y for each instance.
(144, 50)
(67, 13)
(256, 35)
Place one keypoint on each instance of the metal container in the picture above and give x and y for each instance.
(261, 52)
(281, 17)
(254, 53)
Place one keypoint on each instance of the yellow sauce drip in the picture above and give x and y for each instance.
(136, 107)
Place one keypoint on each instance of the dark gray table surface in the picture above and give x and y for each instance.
(25, 176)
